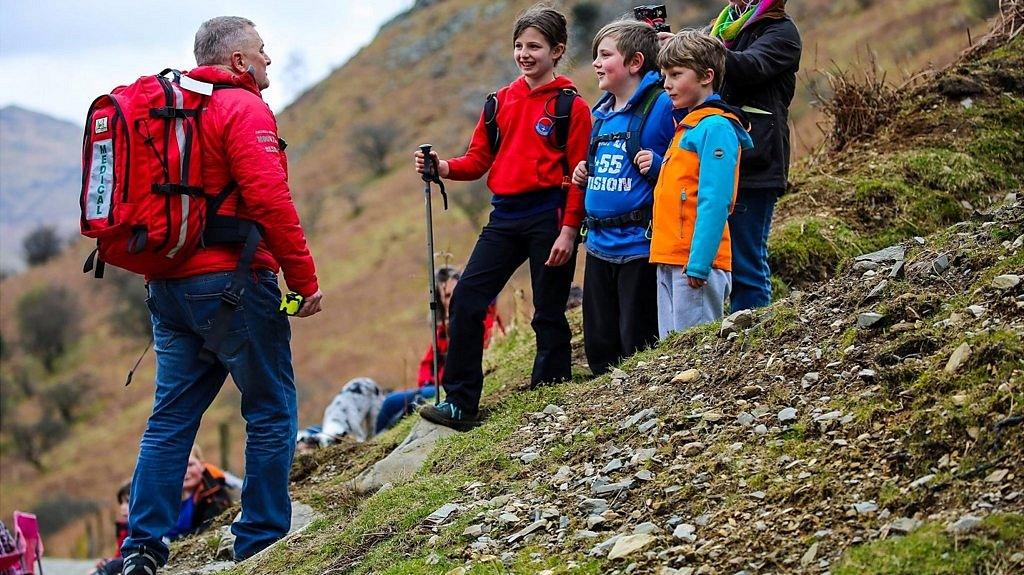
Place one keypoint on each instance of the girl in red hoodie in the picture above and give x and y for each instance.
(536, 216)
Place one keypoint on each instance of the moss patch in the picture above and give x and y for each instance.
(810, 249)
(930, 550)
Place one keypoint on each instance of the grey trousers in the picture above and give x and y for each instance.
(681, 307)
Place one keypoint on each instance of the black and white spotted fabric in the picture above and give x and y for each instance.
(353, 412)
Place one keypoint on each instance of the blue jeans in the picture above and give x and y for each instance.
(749, 224)
(256, 353)
(398, 404)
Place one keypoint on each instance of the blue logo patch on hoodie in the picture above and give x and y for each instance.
(544, 126)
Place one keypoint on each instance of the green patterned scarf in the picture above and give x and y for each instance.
(728, 25)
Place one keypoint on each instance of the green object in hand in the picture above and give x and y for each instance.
(291, 302)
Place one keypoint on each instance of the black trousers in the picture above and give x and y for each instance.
(620, 310)
(502, 247)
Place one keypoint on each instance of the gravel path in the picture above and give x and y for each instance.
(54, 566)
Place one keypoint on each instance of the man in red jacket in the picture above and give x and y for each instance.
(240, 147)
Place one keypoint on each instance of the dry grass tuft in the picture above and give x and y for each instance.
(855, 104)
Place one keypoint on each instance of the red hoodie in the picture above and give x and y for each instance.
(240, 144)
(526, 160)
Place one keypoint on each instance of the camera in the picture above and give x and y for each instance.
(653, 14)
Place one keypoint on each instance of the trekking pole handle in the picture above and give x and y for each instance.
(429, 164)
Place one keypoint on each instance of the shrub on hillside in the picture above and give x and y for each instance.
(32, 440)
(130, 313)
(66, 397)
(586, 21)
(61, 509)
(474, 202)
(49, 319)
(373, 143)
(41, 245)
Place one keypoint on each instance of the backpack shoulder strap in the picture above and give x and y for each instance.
(639, 119)
(595, 131)
(491, 120)
(563, 112)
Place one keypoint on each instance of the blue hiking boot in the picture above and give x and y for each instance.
(449, 415)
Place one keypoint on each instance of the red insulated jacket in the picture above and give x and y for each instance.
(240, 144)
(527, 161)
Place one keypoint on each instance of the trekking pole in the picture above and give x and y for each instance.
(429, 176)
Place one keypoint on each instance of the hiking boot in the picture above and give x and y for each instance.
(140, 563)
(449, 415)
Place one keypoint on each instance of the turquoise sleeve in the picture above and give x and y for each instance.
(718, 148)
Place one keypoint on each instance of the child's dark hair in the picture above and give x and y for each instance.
(631, 37)
(548, 21)
(696, 51)
(124, 492)
(445, 273)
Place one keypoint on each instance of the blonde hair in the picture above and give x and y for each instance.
(196, 452)
(632, 37)
(696, 51)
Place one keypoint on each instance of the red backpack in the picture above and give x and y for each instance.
(142, 193)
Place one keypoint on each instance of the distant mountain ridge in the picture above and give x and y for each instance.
(40, 172)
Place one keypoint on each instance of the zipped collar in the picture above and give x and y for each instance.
(603, 109)
(220, 76)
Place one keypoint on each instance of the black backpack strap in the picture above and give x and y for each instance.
(491, 121)
(639, 120)
(595, 133)
(563, 112)
(231, 297)
(93, 262)
(214, 203)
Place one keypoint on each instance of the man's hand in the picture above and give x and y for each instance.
(563, 246)
(442, 165)
(644, 160)
(311, 305)
(579, 175)
(696, 283)
(663, 38)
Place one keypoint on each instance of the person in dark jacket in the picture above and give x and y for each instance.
(760, 78)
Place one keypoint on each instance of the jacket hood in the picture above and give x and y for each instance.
(603, 109)
(218, 75)
(736, 117)
(559, 83)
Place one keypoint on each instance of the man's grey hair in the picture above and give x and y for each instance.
(219, 37)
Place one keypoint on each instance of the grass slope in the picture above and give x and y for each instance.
(916, 440)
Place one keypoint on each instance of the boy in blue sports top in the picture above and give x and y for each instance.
(633, 127)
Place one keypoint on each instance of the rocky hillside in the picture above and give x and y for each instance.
(868, 423)
(424, 79)
(40, 162)
(872, 426)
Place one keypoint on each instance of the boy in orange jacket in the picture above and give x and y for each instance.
(696, 187)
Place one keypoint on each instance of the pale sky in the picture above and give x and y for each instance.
(56, 56)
